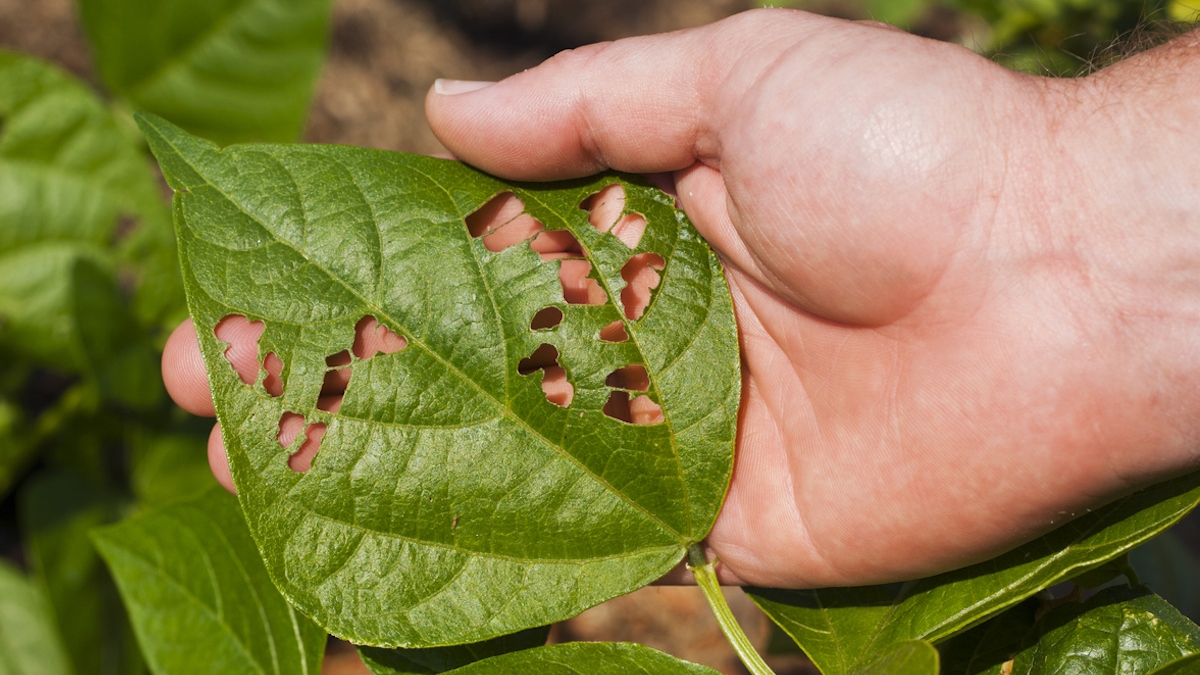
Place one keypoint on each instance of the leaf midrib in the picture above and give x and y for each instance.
(136, 88)
(450, 366)
(187, 593)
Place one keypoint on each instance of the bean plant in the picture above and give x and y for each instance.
(477, 408)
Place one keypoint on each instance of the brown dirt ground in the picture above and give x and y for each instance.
(384, 56)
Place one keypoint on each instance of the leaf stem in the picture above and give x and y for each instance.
(706, 578)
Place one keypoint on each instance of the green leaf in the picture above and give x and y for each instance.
(581, 658)
(229, 70)
(199, 597)
(912, 657)
(75, 184)
(57, 511)
(29, 644)
(450, 502)
(169, 468)
(1188, 665)
(839, 628)
(1126, 631)
(436, 660)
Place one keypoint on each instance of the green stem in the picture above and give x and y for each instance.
(706, 578)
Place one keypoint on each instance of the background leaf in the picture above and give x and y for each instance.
(229, 70)
(840, 628)
(58, 509)
(450, 501)
(436, 660)
(29, 643)
(74, 186)
(1129, 631)
(169, 467)
(199, 597)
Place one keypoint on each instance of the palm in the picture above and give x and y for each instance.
(907, 352)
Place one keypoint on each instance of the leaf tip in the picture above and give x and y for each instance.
(175, 149)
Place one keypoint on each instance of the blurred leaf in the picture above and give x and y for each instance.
(15, 448)
(228, 70)
(578, 658)
(451, 501)
(29, 643)
(436, 660)
(1120, 630)
(169, 468)
(1167, 567)
(1186, 11)
(199, 597)
(912, 657)
(841, 628)
(75, 184)
(58, 509)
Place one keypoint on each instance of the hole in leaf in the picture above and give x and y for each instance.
(274, 382)
(545, 355)
(546, 318)
(640, 275)
(336, 381)
(290, 424)
(502, 222)
(372, 337)
(556, 245)
(242, 336)
(632, 377)
(339, 359)
(555, 385)
(301, 460)
(605, 209)
(331, 403)
(640, 410)
(617, 406)
(578, 287)
(645, 411)
(614, 332)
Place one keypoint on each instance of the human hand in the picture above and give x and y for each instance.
(953, 339)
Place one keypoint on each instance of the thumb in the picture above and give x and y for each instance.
(644, 105)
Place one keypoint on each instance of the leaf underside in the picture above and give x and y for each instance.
(581, 658)
(436, 660)
(841, 628)
(198, 596)
(450, 500)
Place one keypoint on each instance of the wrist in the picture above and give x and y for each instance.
(1121, 172)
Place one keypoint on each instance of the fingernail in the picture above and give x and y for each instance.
(451, 87)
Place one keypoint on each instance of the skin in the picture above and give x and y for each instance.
(969, 299)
